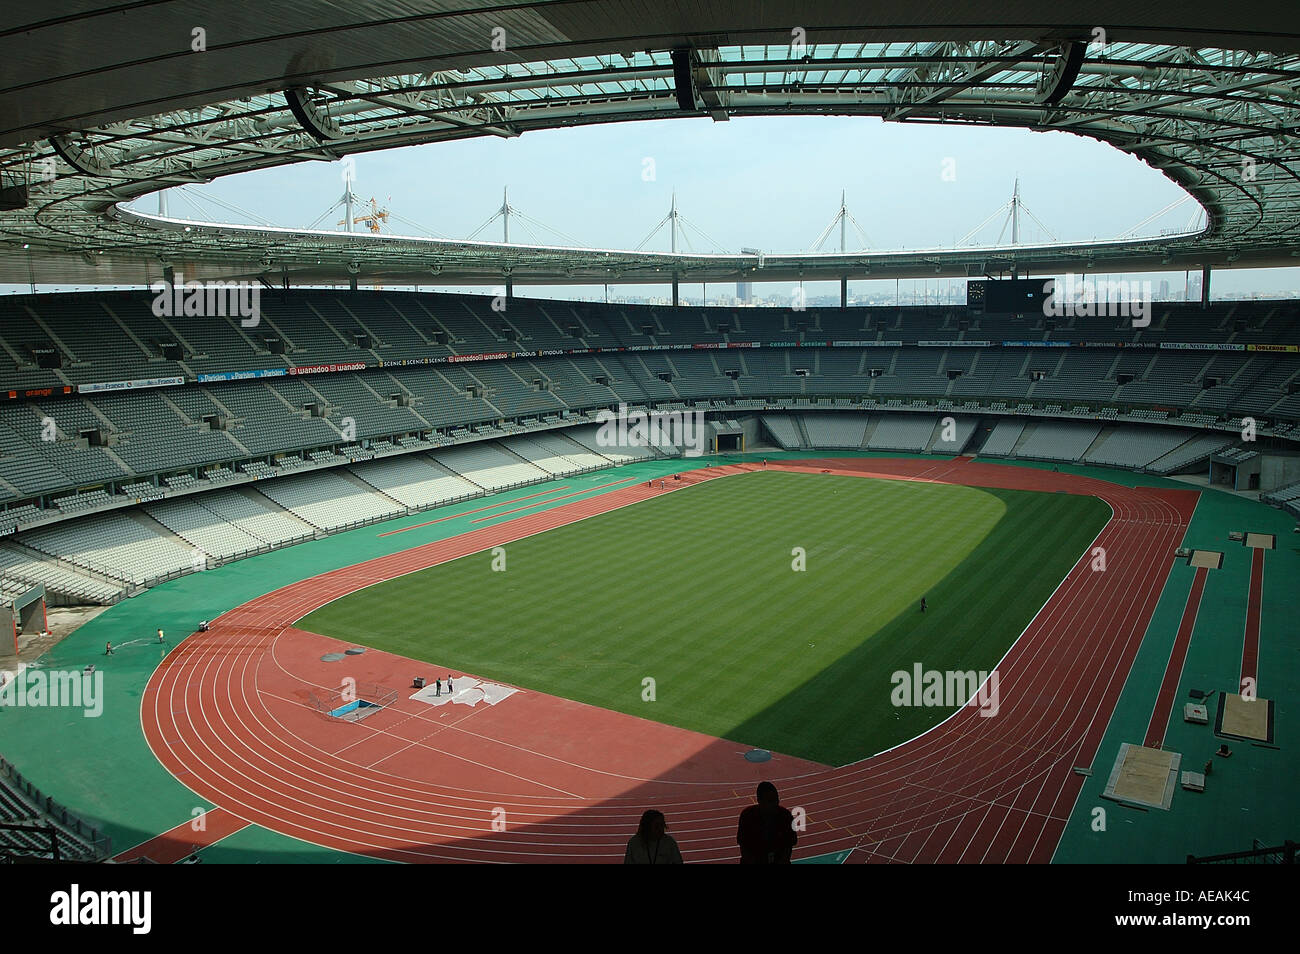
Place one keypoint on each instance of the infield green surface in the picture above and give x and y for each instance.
(698, 591)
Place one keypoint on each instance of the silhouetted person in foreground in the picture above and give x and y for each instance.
(652, 845)
(766, 834)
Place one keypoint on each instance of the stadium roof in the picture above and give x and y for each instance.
(103, 103)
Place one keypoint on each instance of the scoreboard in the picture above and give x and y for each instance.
(1007, 296)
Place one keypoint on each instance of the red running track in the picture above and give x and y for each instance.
(185, 839)
(1167, 695)
(225, 712)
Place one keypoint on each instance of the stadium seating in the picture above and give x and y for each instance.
(302, 454)
(843, 430)
(36, 822)
(115, 545)
(1135, 446)
(30, 568)
(198, 525)
(1057, 440)
(329, 500)
(257, 516)
(147, 434)
(1004, 437)
(589, 438)
(489, 465)
(902, 432)
(784, 430)
(415, 480)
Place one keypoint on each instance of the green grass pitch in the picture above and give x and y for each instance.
(697, 590)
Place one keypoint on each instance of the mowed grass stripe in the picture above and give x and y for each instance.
(846, 713)
(695, 590)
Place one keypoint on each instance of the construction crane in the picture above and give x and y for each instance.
(373, 221)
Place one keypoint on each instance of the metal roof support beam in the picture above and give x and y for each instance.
(1059, 81)
(314, 122)
(709, 85)
(1217, 122)
(80, 160)
(684, 80)
(976, 74)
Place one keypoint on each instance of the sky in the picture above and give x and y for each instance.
(771, 183)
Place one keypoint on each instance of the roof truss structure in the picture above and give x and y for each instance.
(1219, 122)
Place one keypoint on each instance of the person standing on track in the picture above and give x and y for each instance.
(437, 687)
(766, 834)
(652, 845)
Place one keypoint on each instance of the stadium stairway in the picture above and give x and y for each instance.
(352, 478)
(804, 439)
(1027, 433)
(155, 527)
(1098, 441)
(872, 421)
(262, 501)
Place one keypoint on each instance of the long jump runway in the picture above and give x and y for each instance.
(539, 778)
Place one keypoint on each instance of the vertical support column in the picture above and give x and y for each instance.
(510, 288)
(1205, 287)
(844, 221)
(676, 290)
(844, 292)
(352, 281)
